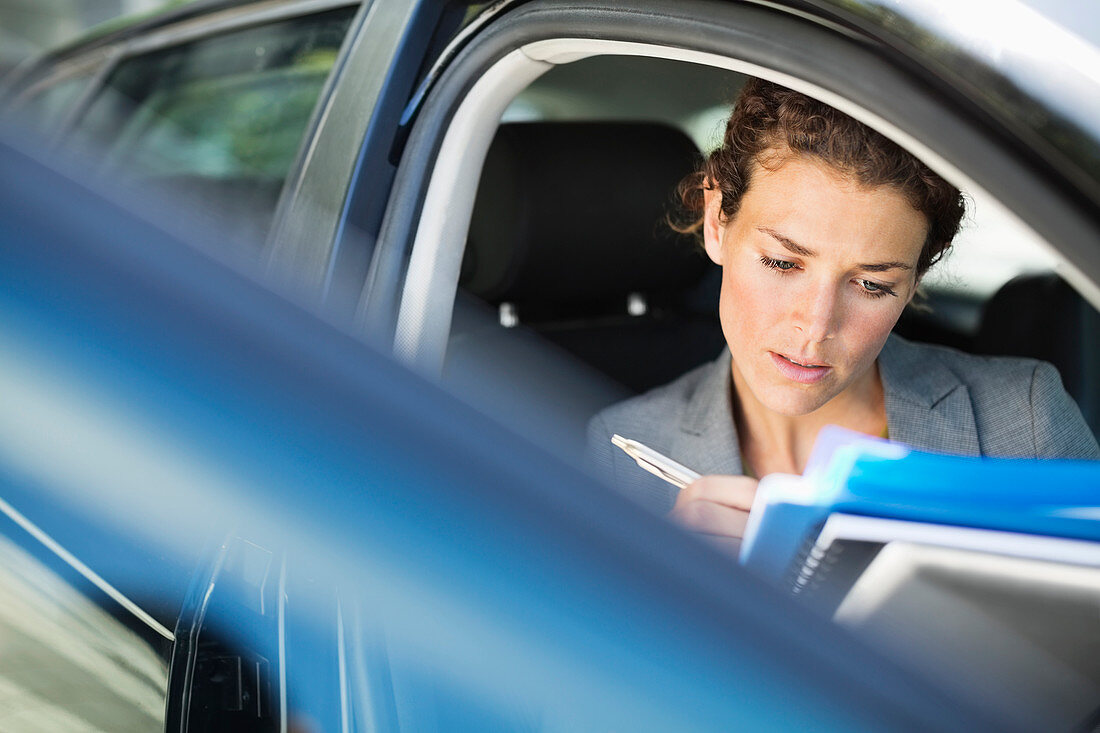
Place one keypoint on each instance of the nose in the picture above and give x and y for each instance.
(817, 313)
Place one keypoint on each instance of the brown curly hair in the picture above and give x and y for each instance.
(770, 123)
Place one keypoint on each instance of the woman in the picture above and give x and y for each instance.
(823, 229)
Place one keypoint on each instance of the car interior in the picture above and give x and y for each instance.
(575, 292)
(572, 271)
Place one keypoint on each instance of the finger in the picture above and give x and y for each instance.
(711, 518)
(732, 491)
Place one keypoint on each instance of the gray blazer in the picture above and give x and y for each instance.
(937, 399)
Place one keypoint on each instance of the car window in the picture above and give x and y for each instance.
(216, 123)
(72, 660)
(640, 328)
(45, 109)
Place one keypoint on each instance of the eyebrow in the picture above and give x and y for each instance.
(796, 248)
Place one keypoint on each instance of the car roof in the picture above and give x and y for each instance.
(1032, 76)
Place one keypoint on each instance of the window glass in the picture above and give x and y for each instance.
(46, 109)
(990, 249)
(66, 663)
(216, 123)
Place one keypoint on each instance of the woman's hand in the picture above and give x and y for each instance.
(717, 506)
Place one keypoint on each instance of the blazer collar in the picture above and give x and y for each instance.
(927, 405)
(707, 438)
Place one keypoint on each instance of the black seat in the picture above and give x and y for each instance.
(569, 235)
(1041, 316)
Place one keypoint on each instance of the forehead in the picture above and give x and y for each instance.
(825, 210)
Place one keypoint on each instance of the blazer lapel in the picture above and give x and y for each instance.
(927, 406)
(707, 439)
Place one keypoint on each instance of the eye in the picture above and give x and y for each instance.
(875, 290)
(774, 264)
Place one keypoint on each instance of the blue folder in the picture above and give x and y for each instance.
(851, 473)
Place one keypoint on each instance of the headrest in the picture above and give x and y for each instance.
(1040, 315)
(574, 212)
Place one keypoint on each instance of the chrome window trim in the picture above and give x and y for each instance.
(429, 289)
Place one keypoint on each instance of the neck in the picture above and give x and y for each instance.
(772, 442)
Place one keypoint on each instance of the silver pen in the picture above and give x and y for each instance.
(659, 465)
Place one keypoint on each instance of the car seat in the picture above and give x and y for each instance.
(570, 238)
(1039, 315)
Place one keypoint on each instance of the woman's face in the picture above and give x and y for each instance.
(815, 272)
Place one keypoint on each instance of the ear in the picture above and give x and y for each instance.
(712, 222)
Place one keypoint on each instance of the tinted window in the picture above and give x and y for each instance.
(45, 109)
(216, 123)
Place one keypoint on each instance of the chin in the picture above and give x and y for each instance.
(794, 403)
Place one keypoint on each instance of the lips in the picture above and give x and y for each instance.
(803, 373)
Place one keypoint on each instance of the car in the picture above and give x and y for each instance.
(222, 513)
(435, 177)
